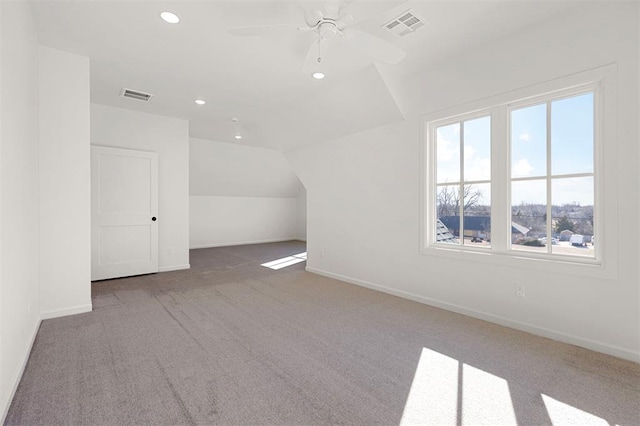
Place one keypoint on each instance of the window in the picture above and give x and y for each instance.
(463, 181)
(517, 176)
(552, 176)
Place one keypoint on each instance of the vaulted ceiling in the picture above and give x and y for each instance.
(259, 80)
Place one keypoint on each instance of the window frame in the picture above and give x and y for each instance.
(602, 82)
(596, 89)
(432, 131)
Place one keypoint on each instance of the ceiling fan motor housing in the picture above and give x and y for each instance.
(327, 28)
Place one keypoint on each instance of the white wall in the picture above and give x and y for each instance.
(19, 301)
(65, 184)
(637, 100)
(240, 195)
(224, 221)
(236, 170)
(301, 213)
(364, 213)
(169, 137)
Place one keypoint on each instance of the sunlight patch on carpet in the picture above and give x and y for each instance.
(445, 391)
(433, 398)
(286, 261)
(565, 414)
(485, 398)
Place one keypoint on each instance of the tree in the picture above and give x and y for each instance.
(564, 223)
(533, 216)
(448, 199)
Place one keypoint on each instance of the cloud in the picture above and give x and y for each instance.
(448, 156)
(522, 168)
(477, 166)
(529, 192)
(469, 151)
(478, 169)
(447, 150)
(573, 190)
(525, 137)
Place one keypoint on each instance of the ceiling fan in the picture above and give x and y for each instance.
(332, 23)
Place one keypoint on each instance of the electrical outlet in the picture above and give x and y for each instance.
(321, 253)
(170, 250)
(520, 290)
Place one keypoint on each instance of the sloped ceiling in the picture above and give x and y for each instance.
(259, 79)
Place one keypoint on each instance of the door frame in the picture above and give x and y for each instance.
(123, 270)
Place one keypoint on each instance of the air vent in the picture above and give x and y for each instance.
(404, 24)
(134, 94)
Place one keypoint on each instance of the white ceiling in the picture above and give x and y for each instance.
(259, 79)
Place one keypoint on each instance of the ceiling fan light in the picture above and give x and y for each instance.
(170, 17)
(318, 75)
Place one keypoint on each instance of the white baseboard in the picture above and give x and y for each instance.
(242, 243)
(174, 268)
(18, 375)
(66, 311)
(529, 328)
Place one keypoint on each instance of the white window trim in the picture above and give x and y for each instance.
(602, 81)
(430, 135)
(592, 87)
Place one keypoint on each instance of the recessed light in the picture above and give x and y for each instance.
(200, 102)
(169, 17)
(238, 137)
(318, 75)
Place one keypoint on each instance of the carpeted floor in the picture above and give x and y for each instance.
(230, 342)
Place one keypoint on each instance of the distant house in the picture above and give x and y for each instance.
(565, 235)
(518, 231)
(479, 227)
(443, 235)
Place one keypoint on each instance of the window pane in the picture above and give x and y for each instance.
(448, 153)
(477, 215)
(572, 135)
(477, 149)
(448, 210)
(529, 141)
(529, 215)
(572, 212)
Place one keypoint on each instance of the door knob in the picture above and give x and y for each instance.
(153, 218)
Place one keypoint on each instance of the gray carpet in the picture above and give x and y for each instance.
(230, 342)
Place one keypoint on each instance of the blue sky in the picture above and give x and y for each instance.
(571, 150)
(571, 137)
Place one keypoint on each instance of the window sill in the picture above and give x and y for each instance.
(568, 265)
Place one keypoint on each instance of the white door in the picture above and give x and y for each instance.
(124, 212)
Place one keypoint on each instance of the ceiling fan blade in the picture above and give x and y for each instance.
(344, 20)
(376, 48)
(309, 9)
(345, 5)
(332, 8)
(262, 30)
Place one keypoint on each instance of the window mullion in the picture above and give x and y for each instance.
(461, 188)
(549, 223)
(500, 194)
